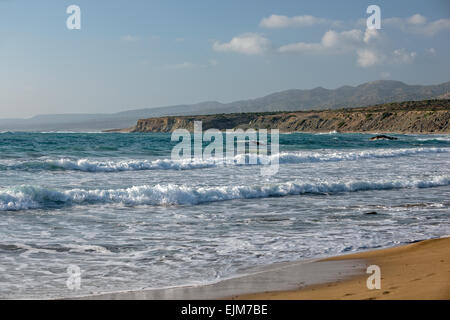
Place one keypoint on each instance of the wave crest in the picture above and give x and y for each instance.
(30, 197)
(87, 165)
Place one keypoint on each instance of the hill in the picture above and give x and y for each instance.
(376, 92)
(427, 116)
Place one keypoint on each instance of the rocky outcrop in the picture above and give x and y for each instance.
(382, 137)
(429, 116)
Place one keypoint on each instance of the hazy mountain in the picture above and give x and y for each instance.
(370, 93)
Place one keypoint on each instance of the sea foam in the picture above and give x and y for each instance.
(32, 197)
(90, 165)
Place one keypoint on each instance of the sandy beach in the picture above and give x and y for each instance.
(419, 270)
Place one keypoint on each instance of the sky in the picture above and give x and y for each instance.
(138, 54)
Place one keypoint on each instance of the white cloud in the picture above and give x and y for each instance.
(370, 34)
(403, 56)
(342, 39)
(277, 21)
(247, 43)
(332, 41)
(179, 39)
(436, 26)
(368, 46)
(417, 24)
(417, 19)
(353, 41)
(368, 57)
(129, 38)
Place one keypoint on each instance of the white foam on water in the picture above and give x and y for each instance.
(31, 197)
(88, 165)
(437, 138)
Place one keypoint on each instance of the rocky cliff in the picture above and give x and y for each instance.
(428, 116)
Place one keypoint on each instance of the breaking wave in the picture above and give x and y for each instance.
(31, 197)
(88, 165)
(437, 138)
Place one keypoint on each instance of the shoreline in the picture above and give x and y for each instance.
(428, 116)
(224, 131)
(337, 277)
(277, 276)
(126, 130)
(416, 271)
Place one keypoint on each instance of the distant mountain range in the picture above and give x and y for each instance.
(370, 93)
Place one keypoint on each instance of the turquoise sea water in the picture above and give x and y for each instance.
(129, 217)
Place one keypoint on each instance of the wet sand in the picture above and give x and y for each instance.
(419, 270)
(280, 276)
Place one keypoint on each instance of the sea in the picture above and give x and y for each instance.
(89, 213)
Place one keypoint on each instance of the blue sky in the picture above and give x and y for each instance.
(136, 54)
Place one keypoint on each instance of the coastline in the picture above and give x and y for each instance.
(278, 276)
(416, 271)
(406, 117)
(420, 270)
(373, 132)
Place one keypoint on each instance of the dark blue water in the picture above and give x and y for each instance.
(35, 145)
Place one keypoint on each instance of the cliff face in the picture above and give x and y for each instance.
(168, 124)
(430, 116)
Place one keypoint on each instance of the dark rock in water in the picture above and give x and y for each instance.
(258, 143)
(383, 137)
(371, 212)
